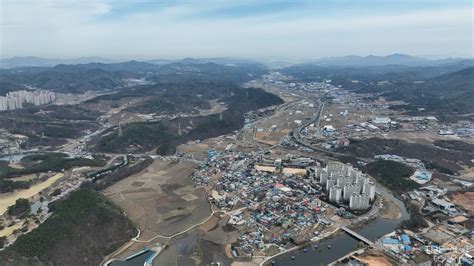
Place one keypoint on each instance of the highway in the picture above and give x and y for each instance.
(296, 133)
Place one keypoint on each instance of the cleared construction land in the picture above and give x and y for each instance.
(8, 199)
(374, 260)
(465, 200)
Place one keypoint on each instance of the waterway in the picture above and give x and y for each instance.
(342, 243)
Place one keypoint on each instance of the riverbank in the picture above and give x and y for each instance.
(313, 240)
(342, 243)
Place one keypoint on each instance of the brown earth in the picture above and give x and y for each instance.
(390, 210)
(161, 199)
(374, 260)
(465, 200)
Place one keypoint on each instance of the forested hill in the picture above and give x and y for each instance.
(443, 89)
(453, 92)
(100, 76)
(82, 229)
(145, 136)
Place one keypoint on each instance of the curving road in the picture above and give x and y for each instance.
(296, 133)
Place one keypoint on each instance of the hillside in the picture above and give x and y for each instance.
(36, 164)
(101, 76)
(82, 230)
(164, 135)
(22, 61)
(373, 60)
(393, 175)
(451, 93)
(49, 125)
(450, 160)
(369, 74)
(446, 90)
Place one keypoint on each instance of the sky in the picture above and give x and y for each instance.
(260, 29)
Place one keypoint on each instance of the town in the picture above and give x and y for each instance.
(16, 99)
(289, 185)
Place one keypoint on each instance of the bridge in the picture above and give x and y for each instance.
(357, 235)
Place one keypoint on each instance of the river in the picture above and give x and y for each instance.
(342, 243)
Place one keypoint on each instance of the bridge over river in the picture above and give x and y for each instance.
(357, 235)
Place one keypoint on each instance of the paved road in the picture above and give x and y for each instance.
(296, 133)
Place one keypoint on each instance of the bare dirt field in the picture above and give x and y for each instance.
(269, 130)
(7, 231)
(465, 200)
(195, 149)
(7, 199)
(198, 150)
(374, 260)
(354, 116)
(161, 199)
(390, 210)
(468, 172)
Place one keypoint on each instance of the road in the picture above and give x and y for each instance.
(136, 238)
(297, 136)
(296, 133)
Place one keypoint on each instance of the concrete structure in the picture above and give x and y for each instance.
(15, 99)
(369, 189)
(335, 194)
(345, 183)
(357, 235)
(349, 190)
(359, 201)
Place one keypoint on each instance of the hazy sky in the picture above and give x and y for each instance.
(125, 29)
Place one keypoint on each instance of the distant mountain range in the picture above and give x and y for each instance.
(394, 59)
(343, 61)
(438, 85)
(447, 94)
(215, 60)
(102, 76)
(32, 61)
(48, 62)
